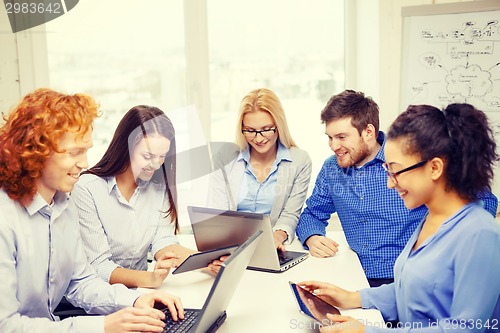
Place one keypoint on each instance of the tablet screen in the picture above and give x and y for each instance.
(318, 309)
(202, 259)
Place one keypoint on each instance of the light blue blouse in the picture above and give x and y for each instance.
(256, 197)
(451, 283)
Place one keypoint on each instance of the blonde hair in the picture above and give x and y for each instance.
(264, 100)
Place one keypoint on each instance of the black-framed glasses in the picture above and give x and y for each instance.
(252, 134)
(392, 175)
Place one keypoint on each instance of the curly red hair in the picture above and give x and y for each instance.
(31, 134)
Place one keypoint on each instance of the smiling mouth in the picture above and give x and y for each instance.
(402, 193)
(74, 175)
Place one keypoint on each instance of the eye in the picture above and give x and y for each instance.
(147, 157)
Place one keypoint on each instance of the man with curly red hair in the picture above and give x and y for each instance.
(44, 145)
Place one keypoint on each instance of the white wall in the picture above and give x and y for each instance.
(374, 50)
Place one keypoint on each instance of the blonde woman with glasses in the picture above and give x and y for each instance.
(268, 174)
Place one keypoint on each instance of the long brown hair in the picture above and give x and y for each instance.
(139, 122)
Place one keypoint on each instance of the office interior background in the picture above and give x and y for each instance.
(196, 59)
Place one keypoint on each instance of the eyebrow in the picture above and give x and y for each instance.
(268, 125)
(337, 134)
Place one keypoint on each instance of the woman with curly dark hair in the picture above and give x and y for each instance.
(446, 278)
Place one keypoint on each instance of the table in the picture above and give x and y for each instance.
(263, 301)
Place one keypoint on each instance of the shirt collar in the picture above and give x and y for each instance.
(381, 139)
(38, 203)
(112, 183)
(283, 153)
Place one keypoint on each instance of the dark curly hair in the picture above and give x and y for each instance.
(459, 134)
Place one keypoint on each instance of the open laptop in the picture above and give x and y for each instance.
(215, 228)
(213, 313)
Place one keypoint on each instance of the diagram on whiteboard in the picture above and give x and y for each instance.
(455, 59)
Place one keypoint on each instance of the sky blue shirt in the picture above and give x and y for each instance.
(452, 279)
(376, 223)
(42, 260)
(258, 197)
(117, 232)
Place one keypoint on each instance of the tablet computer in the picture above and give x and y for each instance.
(311, 305)
(202, 259)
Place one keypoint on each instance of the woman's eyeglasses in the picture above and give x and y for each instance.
(252, 134)
(392, 175)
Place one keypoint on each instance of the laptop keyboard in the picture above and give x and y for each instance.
(183, 325)
(284, 258)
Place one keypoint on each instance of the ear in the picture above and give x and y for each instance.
(369, 132)
(437, 168)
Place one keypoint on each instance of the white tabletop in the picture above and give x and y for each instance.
(264, 301)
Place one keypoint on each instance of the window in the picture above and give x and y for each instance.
(130, 52)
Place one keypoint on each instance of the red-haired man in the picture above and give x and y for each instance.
(44, 148)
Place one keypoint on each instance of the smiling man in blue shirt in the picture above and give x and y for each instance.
(353, 184)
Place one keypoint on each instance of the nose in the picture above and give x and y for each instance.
(334, 145)
(83, 163)
(156, 162)
(259, 138)
(390, 183)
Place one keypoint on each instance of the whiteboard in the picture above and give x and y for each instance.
(451, 54)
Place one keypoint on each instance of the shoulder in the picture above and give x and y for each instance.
(226, 155)
(299, 155)
(90, 180)
(7, 205)
(90, 185)
(479, 221)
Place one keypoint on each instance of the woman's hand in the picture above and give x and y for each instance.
(162, 267)
(332, 294)
(342, 324)
(280, 237)
(216, 264)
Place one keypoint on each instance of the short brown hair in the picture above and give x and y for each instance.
(349, 103)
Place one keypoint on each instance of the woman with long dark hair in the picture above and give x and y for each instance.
(127, 202)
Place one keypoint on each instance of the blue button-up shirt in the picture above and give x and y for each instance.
(451, 283)
(259, 197)
(376, 223)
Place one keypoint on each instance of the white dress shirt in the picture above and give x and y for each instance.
(42, 260)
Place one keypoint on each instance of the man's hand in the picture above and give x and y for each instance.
(321, 246)
(134, 320)
(173, 303)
